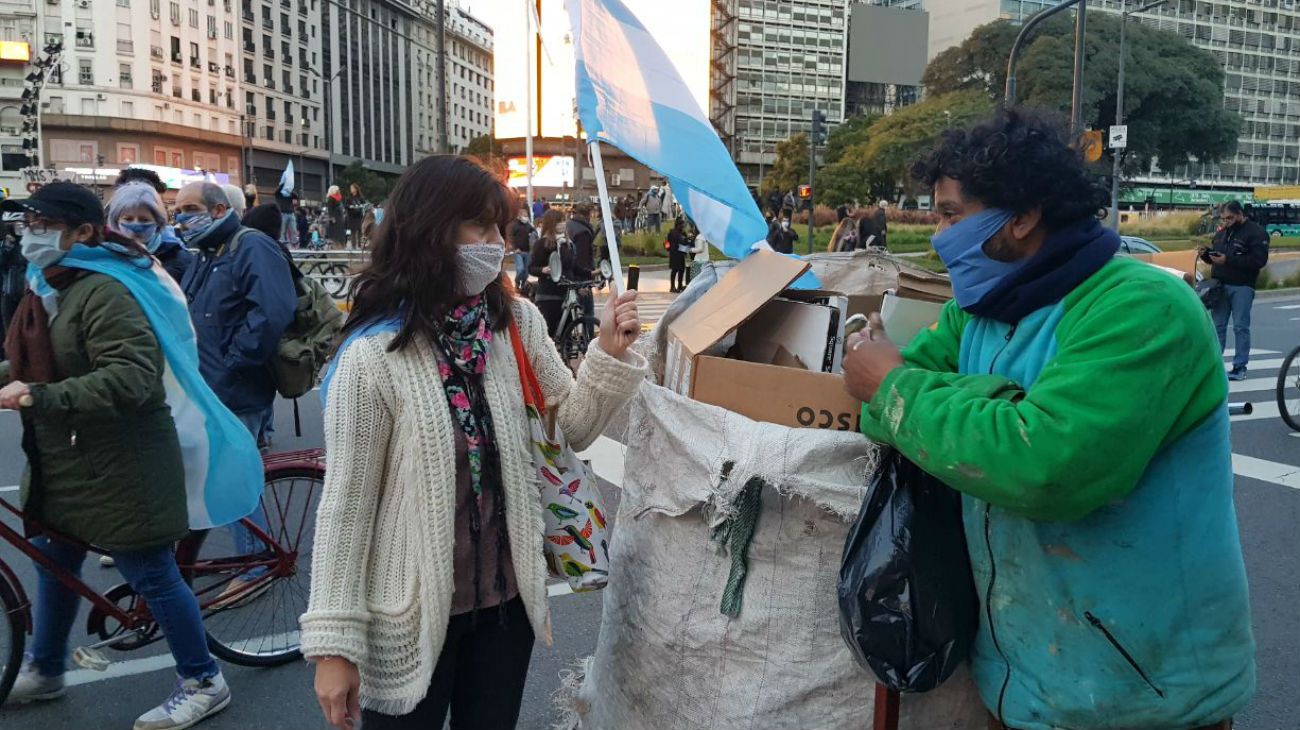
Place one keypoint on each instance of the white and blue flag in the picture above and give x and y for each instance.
(223, 468)
(631, 96)
(286, 180)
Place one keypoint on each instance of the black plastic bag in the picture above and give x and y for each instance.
(908, 607)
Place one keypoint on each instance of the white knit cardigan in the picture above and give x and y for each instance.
(381, 580)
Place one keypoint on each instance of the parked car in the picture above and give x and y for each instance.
(1133, 244)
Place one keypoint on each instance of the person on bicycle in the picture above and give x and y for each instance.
(1078, 402)
(136, 210)
(549, 295)
(428, 578)
(86, 368)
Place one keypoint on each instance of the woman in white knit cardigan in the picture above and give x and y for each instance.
(428, 579)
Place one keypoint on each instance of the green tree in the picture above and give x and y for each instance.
(850, 132)
(375, 185)
(485, 148)
(791, 167)
(898, 139)
(1173, 99)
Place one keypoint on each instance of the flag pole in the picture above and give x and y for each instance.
(611, 242)
(528, 108)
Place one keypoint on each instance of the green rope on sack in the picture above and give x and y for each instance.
(735, 534)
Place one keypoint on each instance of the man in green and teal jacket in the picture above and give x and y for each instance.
(1078, 401)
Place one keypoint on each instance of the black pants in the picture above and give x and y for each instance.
(480, 676)
(552, 311)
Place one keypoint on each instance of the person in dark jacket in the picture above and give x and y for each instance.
(583, 235)
(355, 206)
(522, 234)
(13, 278)
(303, 224)
(880, 221)
(336, 226)
(678, 247)
(95, 371)
(1238, 254)
(549, 296)
(783, 237)
(137, 211)
(241, 299)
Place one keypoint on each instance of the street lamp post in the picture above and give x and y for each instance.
(1118, 153)
(328, 136)
(1010, 95)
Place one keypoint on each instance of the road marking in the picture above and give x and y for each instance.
(1288, 306)
(14, 488)
(1272, 472)
(116, 670)
(1263, 364)
(1252, 384)
(1228, 354)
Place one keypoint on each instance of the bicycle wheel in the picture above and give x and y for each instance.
(1288, 390)
(574, 339)
(13, 634)
(251, 601)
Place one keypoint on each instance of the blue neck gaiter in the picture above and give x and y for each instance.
(961, 248)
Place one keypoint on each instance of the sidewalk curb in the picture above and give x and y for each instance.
(1278, 293)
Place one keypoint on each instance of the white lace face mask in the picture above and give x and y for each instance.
(480, 265)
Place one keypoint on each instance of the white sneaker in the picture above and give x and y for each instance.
(32, 686)
(192, 702)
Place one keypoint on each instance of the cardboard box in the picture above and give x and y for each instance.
(787, 396)
(1183, 262)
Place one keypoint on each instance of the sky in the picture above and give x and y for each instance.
(680, 26)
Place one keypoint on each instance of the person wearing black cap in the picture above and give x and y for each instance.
(84, 359)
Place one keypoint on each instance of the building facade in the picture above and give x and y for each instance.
(469, 78)
(789, 58)
(1258, 44)
(280, 67)
(18, 25)
(142, 81)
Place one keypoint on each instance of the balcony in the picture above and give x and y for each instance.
(270, 114)
(269, 53)
(156, 52)
(176, 92)
(230, 72)
(213, 68)
(196, 96)
(248, 15)
(250, 47)
(177, 57)
(195, 62)
(268, 24)
(126, 47)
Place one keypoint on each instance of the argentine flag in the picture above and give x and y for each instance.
(223, 468)
(286, 180)
(630, 95)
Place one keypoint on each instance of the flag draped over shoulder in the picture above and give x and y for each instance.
(223, 468)
(631, 96)
(286, 180)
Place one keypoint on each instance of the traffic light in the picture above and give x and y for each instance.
(818, 127)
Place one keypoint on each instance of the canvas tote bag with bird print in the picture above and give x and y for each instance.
(577, 538)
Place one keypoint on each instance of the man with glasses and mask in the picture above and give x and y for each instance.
(1078, 402)
(1238, 254)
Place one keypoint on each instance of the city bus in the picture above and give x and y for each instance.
(1281, 218)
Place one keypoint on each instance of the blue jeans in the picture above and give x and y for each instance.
(522, 260)
(258, 423)
(289, 229)
(1236, 301)
(153, 574)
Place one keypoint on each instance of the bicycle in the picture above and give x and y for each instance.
(1288, 389)
(258, 627)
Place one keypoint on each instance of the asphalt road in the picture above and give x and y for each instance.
(1267, 459)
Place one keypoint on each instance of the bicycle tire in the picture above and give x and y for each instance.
(1290, 419)
(279, 590)
(575, 338)
(11, 620)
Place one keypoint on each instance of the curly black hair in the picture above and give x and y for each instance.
(134, 174)
(1018, 160)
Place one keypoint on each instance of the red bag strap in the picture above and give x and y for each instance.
(887, 709)
(532, 390)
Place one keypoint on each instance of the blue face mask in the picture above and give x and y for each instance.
(143, 232)
(961, 247)
(192, 227)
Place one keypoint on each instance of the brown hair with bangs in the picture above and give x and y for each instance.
(414, 265)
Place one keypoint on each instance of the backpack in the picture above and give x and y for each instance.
(308, 341)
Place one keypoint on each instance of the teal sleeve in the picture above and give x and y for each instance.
(1127, 377)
